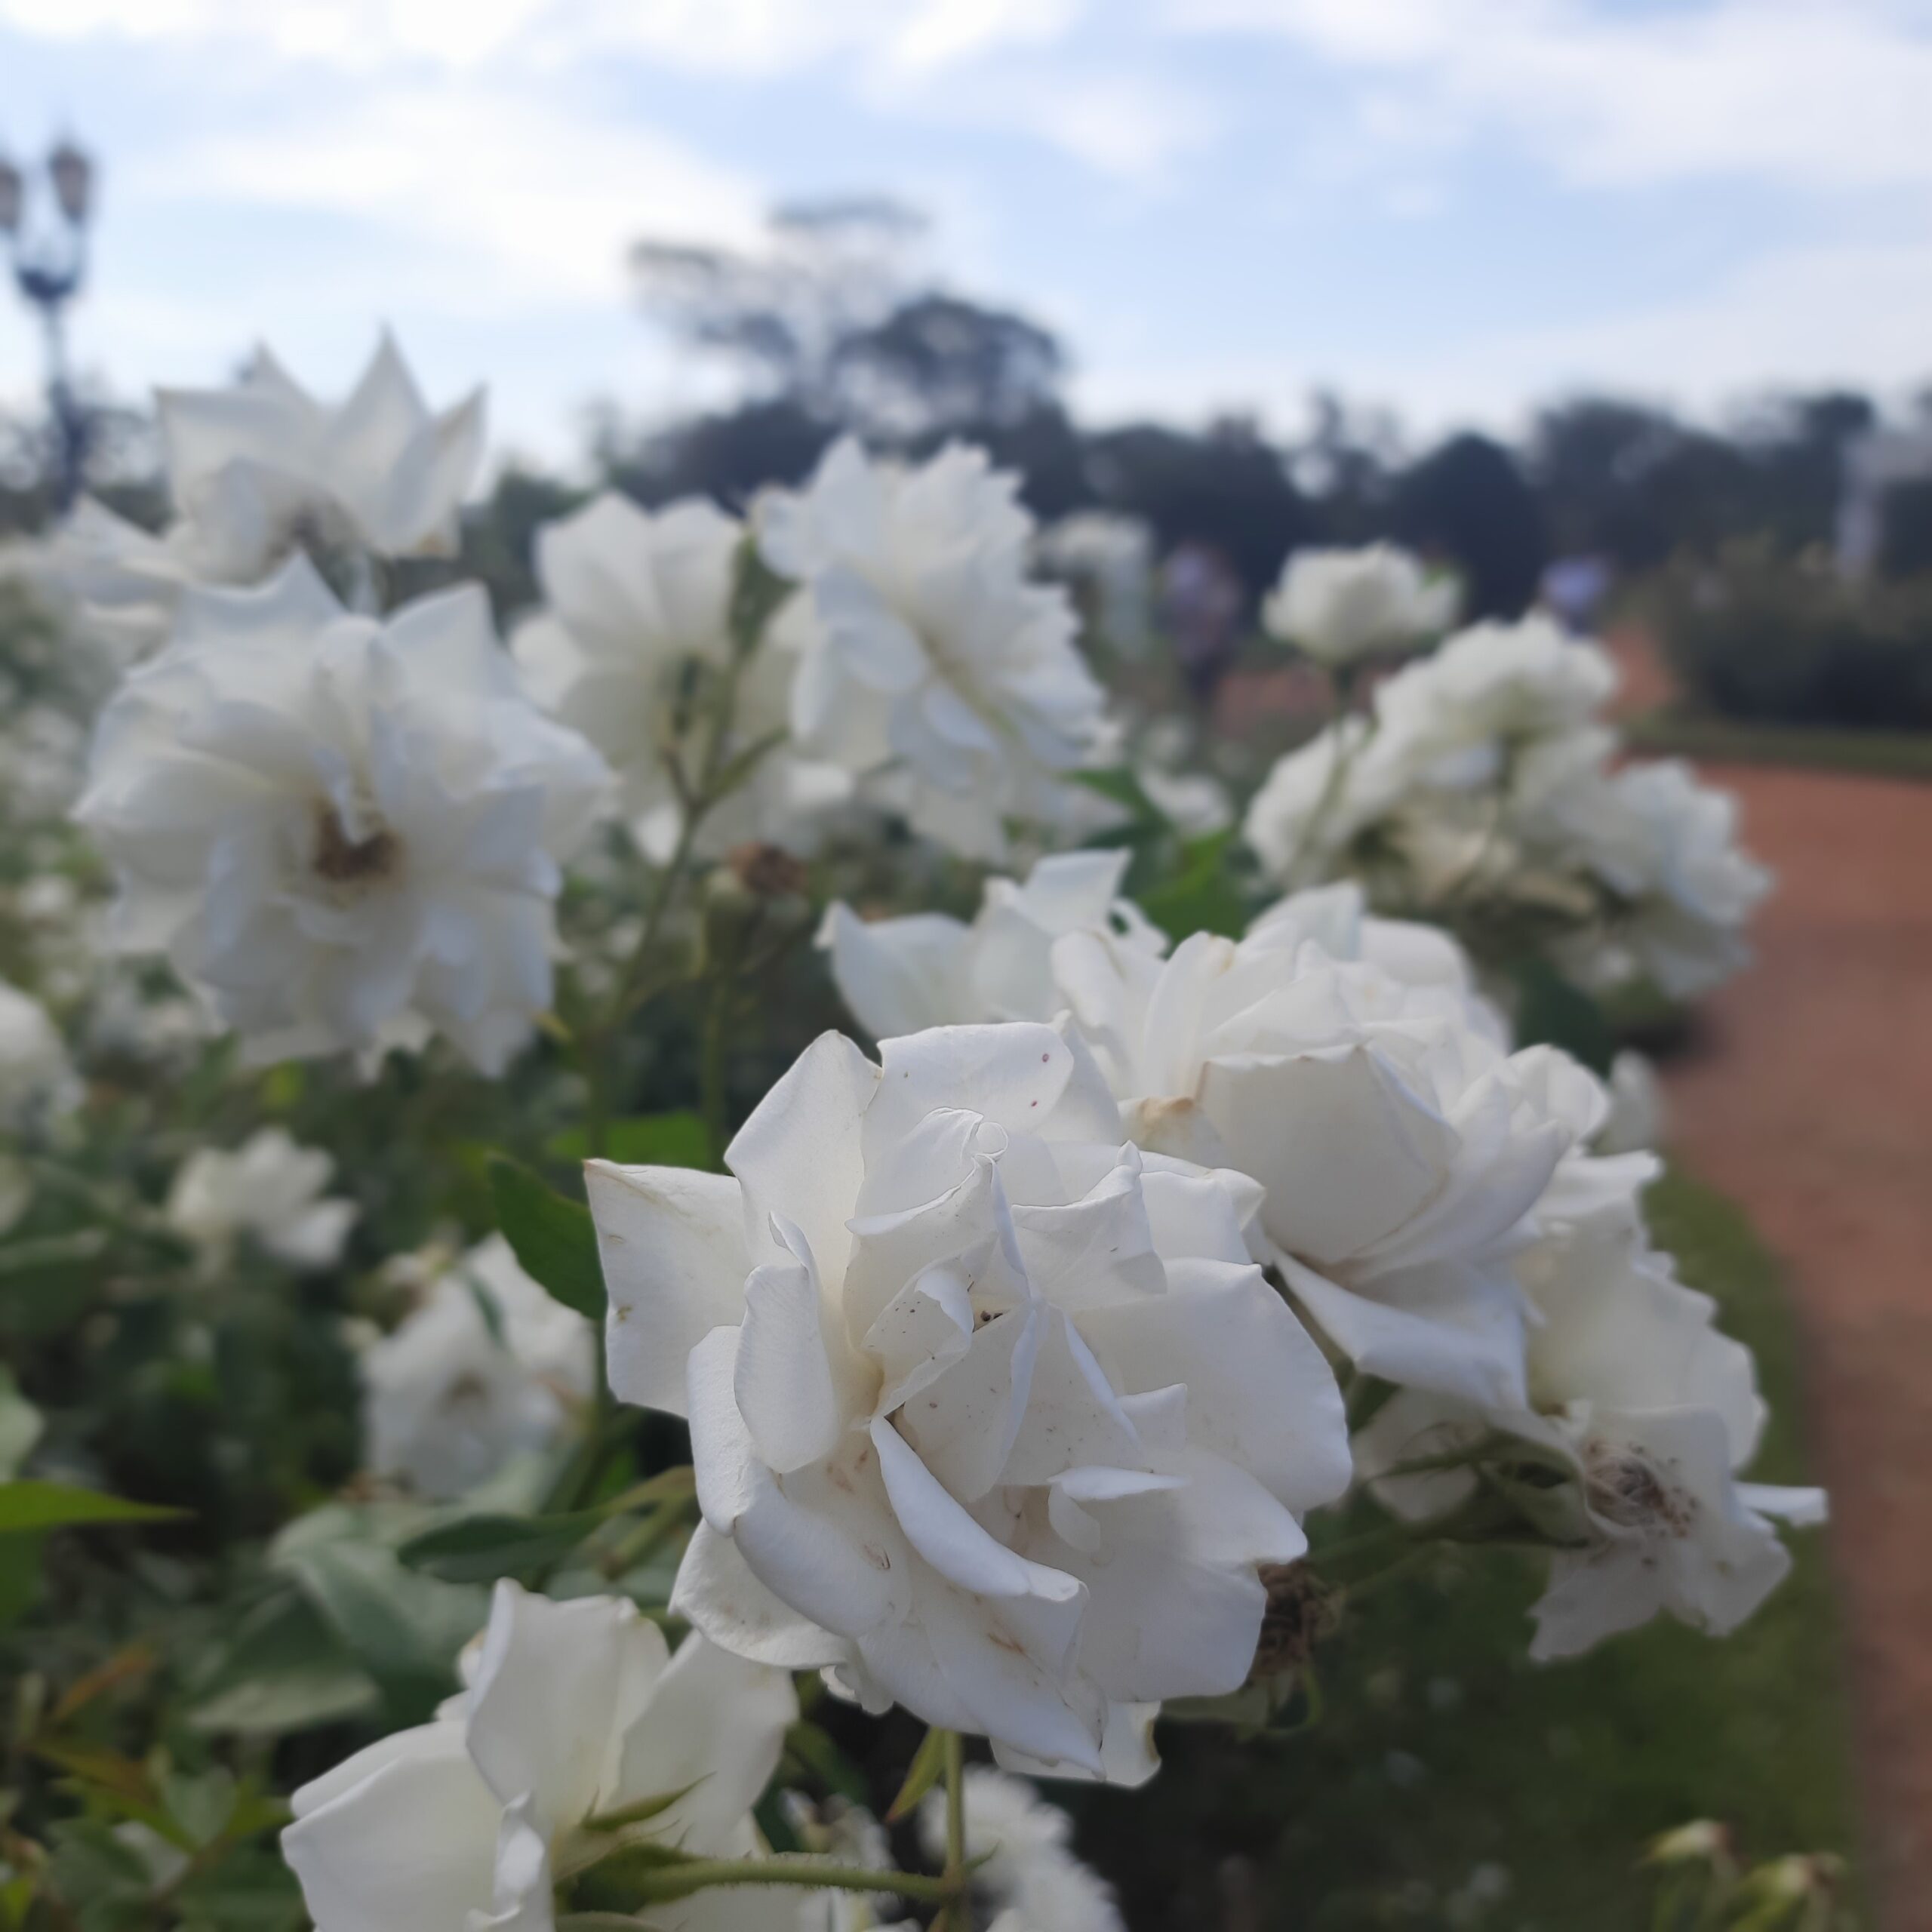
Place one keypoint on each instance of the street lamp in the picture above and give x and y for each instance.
(47, 246)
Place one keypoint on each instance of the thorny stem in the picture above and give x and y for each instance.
(692, 1875)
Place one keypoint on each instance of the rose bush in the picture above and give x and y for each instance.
(998, 1378)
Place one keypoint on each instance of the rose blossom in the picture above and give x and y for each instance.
(992, 1416)
(926, 662)
(346, 834)
(570, 1711)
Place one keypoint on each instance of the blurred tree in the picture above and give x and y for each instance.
(728, 454)
(1635, 484)
(826, 271)
(1467, 503)
(499, 533)
(1794, 446)
(1907, 549)
(1628, 482)
(1346, 465)
(1228, 488)
(938, 364)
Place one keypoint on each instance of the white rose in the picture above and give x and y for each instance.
(256, 465)
(1340, 605)
(1110, 558)
(347, 834)
(36, 1077)
(1653, 1410)
(1336, 918)
(1457, 718)
(1667, 846)
(900, 975)
(123, 584)
(1317, 798)
(1029, 1880)
(1194, 803)
(1402, 1148)
(269, 1187)
(991, 1415)
(488, 1366)
(1638, 1114)
(639, 614)
(571, 1711)
(927, 661)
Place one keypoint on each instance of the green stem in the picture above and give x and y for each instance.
(718, 777)
(714, 1098)
(664, 1884)
(953, 1918)
(1343, 681)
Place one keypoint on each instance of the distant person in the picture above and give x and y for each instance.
(1202, 601)
(1573, 589)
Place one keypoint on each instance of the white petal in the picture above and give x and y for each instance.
(672, 1243)
(798, 1154)
(717, 1592)
(1346, 1152)
(414, 1844)
(545, 1695)
(1259, 1392)
(1456, 1330)
(942, 1531)
(717, 1724)
(898, 976)
(782, 1382)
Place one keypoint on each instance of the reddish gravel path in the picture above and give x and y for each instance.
(1809, 1101)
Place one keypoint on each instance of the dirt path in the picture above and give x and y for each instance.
(1809, 1101)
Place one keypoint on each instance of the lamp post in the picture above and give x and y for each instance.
(47, 246)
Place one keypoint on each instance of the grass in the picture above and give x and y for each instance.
(1674, 733)
(1449, 1782)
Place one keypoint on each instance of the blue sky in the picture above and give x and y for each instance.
(1452, 208)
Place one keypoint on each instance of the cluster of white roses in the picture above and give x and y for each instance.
(1436, 1205)
(1482, 784)
(346, 830)
(1014, 1359)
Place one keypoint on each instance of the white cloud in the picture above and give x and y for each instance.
(729, 36)
(1817, 93)
(520, 192)
(1128, 125)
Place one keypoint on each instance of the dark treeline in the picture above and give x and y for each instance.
(830, 329)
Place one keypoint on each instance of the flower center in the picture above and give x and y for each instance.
(1624, 1489)
(343, 860)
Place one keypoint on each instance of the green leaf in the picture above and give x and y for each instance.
(200, 1803)
(249, 1890)
(1201, 897)
(1121, 784)
(676, 1139)
(1551, 1011)
(20, 1576)
(29, 1504)
(478, 1549)
(285, 1671)
(928, 1765)
(552, 1236)
(20, 1425)
(403, 1628)
(50, 1251)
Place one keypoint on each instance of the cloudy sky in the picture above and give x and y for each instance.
(1450, 207)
